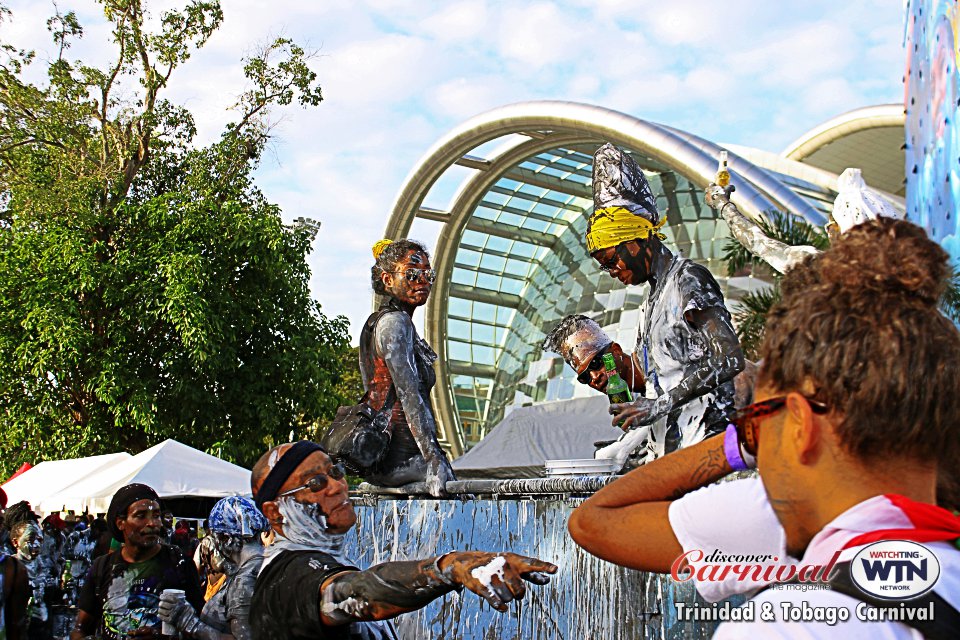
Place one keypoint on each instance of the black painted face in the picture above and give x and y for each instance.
(410, 283)
(629, 262)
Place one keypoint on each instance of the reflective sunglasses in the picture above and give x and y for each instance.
(319, 482)
(747, 420)
(596, 364)
(412, 275)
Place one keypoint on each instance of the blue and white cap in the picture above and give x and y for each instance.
(237, 516)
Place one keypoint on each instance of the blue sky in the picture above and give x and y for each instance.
(398, 75)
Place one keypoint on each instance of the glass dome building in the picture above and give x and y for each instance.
(511, 257)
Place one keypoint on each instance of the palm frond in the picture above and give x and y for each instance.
(750, 317)
(793, 230)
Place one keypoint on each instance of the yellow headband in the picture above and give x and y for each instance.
(612, 225)
(379, 247)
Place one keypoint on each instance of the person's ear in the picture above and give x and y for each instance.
(803, 429)
(387, 279)
(272, 513)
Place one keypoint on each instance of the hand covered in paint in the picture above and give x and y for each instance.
(640, 412)
(176, 611)
(716, 196)
(498, 578)
(438, 474)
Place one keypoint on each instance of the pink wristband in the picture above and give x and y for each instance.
(731, 449)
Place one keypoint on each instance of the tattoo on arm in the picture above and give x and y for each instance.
(712, 466)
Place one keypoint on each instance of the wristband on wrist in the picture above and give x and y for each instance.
(731, 449)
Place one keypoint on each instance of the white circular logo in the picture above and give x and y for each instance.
(895, 569)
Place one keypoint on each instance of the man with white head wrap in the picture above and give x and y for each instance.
(855, 203)
(582, 344)
(687, 348)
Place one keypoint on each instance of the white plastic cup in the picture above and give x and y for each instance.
(166, 628)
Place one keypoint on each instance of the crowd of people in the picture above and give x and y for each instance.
(848, 420)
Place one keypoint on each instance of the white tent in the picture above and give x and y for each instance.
(47, 478)
(174, 470)
(520, 444)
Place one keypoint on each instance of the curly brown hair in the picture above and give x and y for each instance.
(860, 323)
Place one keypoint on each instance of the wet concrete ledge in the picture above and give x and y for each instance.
(559, 486)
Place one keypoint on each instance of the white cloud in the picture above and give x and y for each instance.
(458, 22)
(397, 76)
(537, 35)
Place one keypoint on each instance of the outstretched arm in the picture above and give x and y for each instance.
(777, 254)
(723, 361)
(627, 522)
(392, 588)
(394, 340)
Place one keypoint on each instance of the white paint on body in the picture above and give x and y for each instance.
(485, 574)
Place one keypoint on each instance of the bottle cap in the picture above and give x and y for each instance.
(608, 362)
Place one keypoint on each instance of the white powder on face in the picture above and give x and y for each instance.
(485, 574)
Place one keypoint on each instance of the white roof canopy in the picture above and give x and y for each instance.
(47, 478)
(172, 469)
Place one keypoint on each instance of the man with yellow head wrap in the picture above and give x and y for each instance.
(686, 346)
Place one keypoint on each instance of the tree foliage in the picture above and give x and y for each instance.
(149, 290)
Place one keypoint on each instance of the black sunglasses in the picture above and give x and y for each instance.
(412, 275)
(596, 364)
(610, 264)
(319, 482)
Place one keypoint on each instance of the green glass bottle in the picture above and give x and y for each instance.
(617, 390)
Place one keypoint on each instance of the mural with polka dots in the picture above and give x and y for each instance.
(932, 102)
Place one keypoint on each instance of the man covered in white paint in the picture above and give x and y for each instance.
(308, 589)
(686, 347)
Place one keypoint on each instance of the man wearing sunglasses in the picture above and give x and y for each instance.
(308, 589)
(582, 344)
(850, 451)
(687, 347)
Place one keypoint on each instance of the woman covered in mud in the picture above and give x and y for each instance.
(391, 353)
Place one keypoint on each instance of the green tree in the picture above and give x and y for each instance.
(148, 290)
(348, 391)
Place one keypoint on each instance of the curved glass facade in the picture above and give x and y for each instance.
(522, 265)
(511, 256)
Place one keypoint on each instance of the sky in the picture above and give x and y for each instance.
(396, 76)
